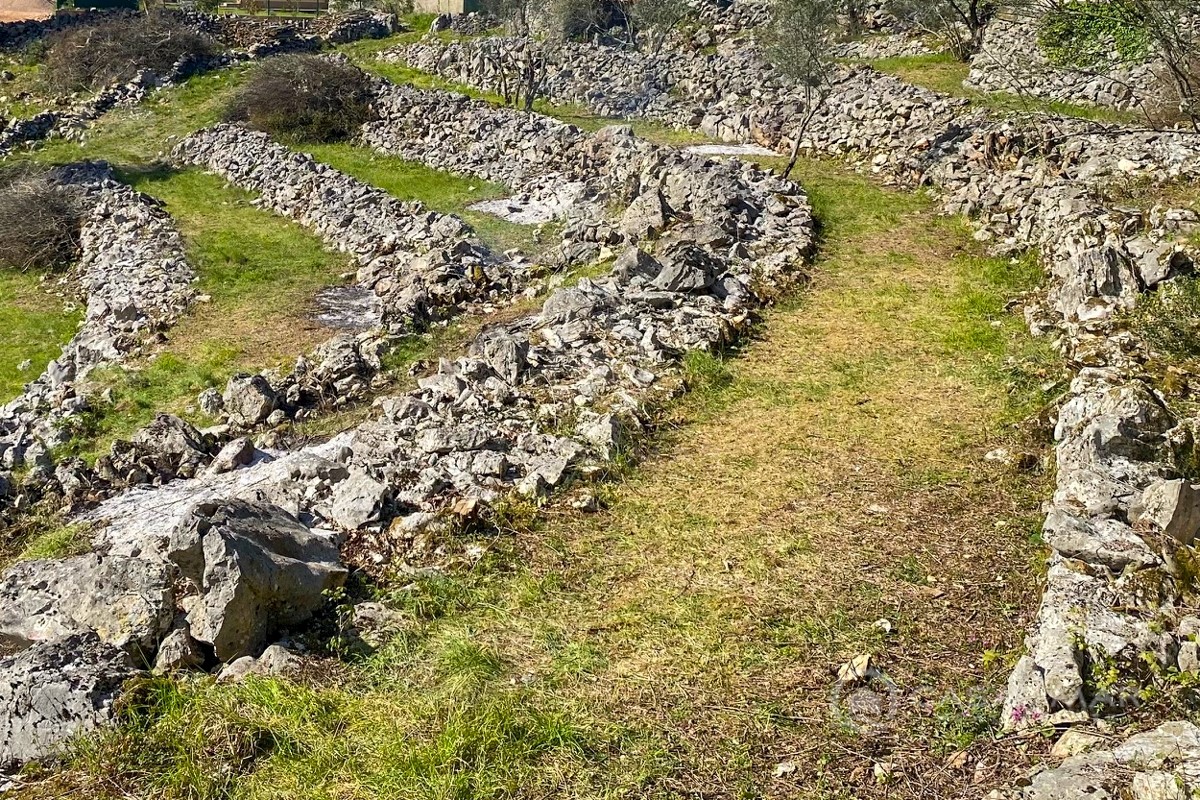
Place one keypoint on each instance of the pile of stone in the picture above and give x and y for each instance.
(15, 36)
(135, 281)
(264, 36)
(472, 23)
(1160, 764)
(885, 45)
(216, 585)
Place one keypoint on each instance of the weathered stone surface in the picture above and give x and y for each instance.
(276, 660)
(248, 400)
(178, 651)
(128, 602)
(256, 569)
(358, 500)
(54, 690)
(1172, 508)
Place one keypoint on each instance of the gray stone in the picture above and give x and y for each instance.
(128, 602)
(646, 216)
(249, 400)
(276, 660)
(237, 453)
(1173, 508)
(635, 263)
(358, 500)
(178, 652)
(257, 570)
(55, 690)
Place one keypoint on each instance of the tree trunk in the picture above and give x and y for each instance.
(791, 165)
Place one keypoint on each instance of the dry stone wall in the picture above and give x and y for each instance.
(424, 266)
(134, 279)
(1010, 60)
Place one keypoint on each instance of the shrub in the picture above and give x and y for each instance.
(1169, 319)
(1082, 35)
(116, 49)
(303, 98)
(39, 223)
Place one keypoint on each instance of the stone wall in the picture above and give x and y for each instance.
(134, 279)
(424, 266)
(1010, 60)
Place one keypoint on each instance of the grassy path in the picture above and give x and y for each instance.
(682, 643)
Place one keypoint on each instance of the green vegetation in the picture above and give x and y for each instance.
(36, 325)
(681, 641)
(1081, 34)
(304, 98)
(61, 542)
(1169, 320)
(944, 73)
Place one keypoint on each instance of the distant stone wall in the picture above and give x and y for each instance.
(1010, 60)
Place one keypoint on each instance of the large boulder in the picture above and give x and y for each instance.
(55, 690)
(256, 569)
(128, 602)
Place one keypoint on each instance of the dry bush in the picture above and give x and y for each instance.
(116, 49)
(39, 223)
(304, 98)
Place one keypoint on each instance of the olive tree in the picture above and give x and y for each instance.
(800, 45)
(959, 22)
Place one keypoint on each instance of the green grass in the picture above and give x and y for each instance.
(27, 79)
(36, 325)
(440, 191)
(60, 542)
(944, 73)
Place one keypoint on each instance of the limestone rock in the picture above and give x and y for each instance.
(257, 570)
(54, 690)
(248, 400)
(128, 602)
(1172, 507)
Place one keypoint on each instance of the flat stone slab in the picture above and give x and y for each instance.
(349, 308)
(729, 150)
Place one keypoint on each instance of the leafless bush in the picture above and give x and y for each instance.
(304, 98)
(39, 223)
(116, 49)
